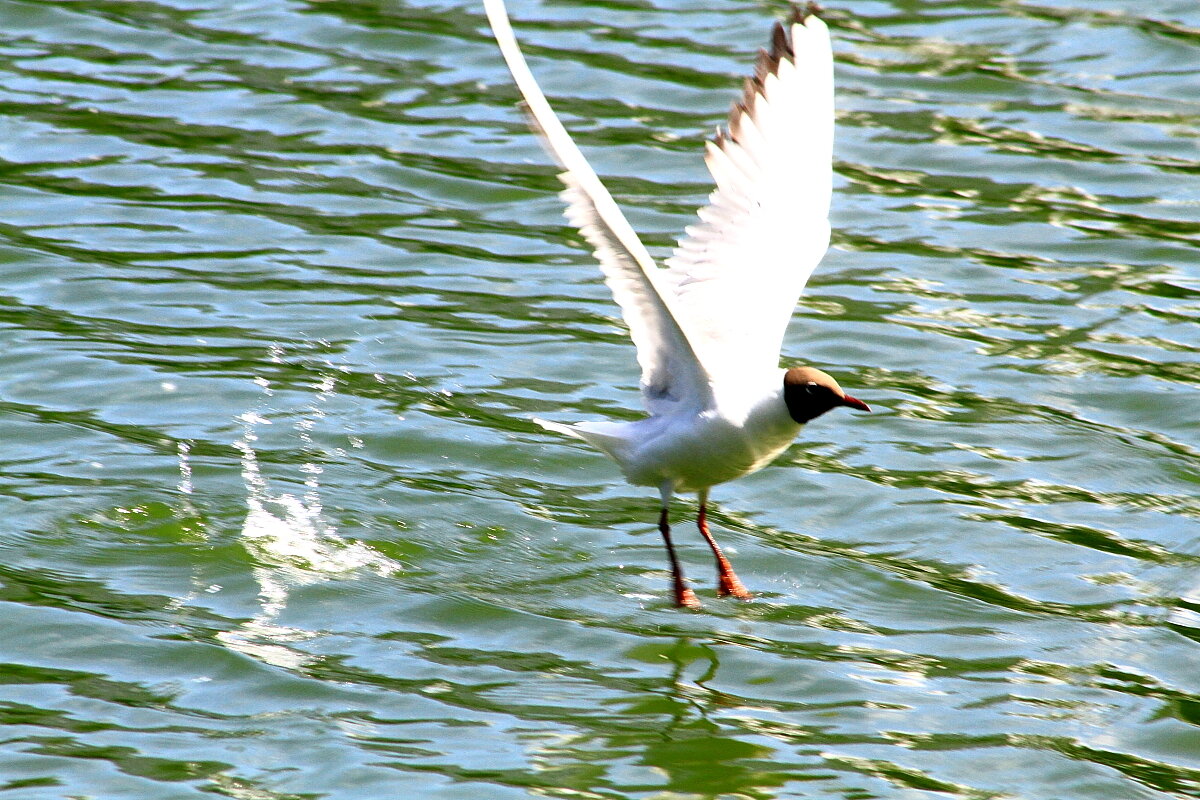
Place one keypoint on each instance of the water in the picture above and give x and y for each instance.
(284, 281)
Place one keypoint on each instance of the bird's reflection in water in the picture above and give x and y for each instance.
(675, 739)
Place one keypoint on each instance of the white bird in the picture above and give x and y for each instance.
(709, 328)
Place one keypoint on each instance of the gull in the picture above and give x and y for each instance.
(709, 327)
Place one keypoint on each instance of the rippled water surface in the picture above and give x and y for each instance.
(283, 283)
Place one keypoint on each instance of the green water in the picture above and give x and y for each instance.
(283, 283)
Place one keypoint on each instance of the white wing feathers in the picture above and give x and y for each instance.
(672, 375)
(723, 305)
(738, 273)
(671, 372)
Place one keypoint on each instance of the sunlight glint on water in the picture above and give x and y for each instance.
(285, 283)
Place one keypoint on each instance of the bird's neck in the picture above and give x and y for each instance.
(757, 404)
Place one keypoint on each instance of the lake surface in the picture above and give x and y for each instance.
(283, 283)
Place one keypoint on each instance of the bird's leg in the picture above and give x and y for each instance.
(727, 582)
(684, 597)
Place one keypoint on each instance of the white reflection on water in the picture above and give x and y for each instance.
(291, 541)
(184, 450)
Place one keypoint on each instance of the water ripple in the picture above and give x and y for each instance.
(284, 284)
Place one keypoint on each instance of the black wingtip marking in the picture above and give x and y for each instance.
(762, 66)
(766, 64)
(780, 45)
(801, 13)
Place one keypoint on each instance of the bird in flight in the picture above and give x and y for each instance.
(708, 328)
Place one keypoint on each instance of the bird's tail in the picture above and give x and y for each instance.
(558, 427)
(604, 436)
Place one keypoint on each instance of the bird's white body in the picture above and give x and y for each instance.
(693, 449)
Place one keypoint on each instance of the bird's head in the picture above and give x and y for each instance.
(809, 393)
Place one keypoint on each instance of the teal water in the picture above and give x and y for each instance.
(284, 281)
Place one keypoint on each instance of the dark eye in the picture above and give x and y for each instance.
(811, 388)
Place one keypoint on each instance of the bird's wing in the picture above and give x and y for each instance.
(738, 273)
(671, 374)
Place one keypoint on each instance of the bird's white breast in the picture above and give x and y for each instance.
(747, 427)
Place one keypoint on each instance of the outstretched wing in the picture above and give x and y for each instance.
(738, 273)
(671, 374)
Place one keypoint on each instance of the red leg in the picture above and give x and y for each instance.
(727, 582)
(684, 597)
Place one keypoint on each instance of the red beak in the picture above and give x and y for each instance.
(854, 402)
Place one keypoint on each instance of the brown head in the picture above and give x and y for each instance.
(809, 393)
